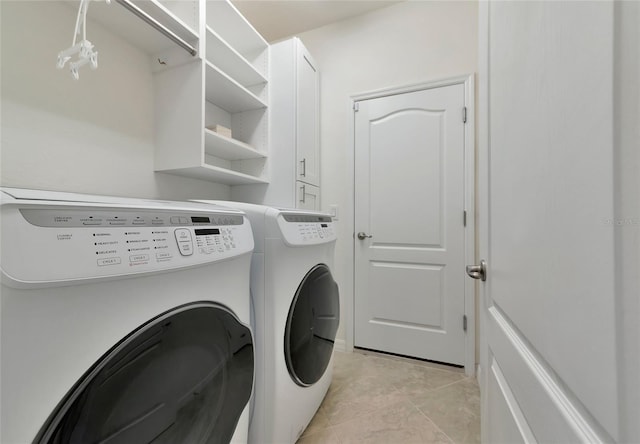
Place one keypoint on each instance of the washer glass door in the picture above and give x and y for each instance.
(312, 325)
(183, 377)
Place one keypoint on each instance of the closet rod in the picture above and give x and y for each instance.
(159, 26)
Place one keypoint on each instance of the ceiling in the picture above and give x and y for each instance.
(277, 19)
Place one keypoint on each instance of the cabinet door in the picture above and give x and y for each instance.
(308, 119)
(307, 196)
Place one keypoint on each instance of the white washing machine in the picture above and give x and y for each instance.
(123, 320)
(296, 317)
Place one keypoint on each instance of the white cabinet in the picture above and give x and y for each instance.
(227, 85)
(307, 196)
(294, 159)
(306, 116)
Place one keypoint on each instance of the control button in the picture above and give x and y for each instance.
(185, 243)
(175, 220)
(184, 220)
(108, 261)
(139, 258)
(182, 235)
(163, 255)
(186, 248)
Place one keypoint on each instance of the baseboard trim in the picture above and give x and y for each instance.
(340, 345)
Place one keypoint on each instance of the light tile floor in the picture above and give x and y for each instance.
(380, 399)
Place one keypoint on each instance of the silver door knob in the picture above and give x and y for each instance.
(362, 235)
(478, 271)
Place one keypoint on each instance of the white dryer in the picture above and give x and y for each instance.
(123, 320)
(296, 318)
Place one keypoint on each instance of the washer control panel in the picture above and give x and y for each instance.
(72, 243)
(306, 229)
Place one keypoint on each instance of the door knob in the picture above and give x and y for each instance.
(362, 235)
(478, 271)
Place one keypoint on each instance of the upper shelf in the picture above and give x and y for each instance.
(119, 20)
(225, 92)
(231, 25)
(231, 61)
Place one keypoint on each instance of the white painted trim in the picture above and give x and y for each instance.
(340, 345)
(349, 301)
(556, 394)
(420, 86)
(468, 80)
(482, 206)
(470, 229)
(512, 404)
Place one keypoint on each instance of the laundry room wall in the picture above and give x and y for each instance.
(94, 135)
(402, 44)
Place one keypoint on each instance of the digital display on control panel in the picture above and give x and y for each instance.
(200, 220)
(306, 218)
(206, 231)
(324, 225)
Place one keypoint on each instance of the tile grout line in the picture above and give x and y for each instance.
(432, 422)
(448, 385)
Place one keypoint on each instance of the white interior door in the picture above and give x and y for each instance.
(550, 352)
(409, 202)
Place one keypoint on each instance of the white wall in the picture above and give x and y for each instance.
(94, 135)
(406, 43)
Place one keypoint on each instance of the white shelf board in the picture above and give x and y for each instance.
(233, 27)
(215, 174)
(220, 54)
(226, 93)
(227, 148)
(124, 23)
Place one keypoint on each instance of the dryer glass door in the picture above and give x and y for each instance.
(183, 377)
(312, 325)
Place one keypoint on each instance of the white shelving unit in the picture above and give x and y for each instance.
(228, 86)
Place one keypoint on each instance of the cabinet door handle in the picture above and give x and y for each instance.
(303, 191)
(304, 167)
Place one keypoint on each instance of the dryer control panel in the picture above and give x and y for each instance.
(67, 243)
(306, 229)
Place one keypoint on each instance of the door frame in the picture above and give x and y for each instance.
(468, 81)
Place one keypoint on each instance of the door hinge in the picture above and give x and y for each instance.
(464, 115)
(464, 322)
(464, 218)
(356, 106)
